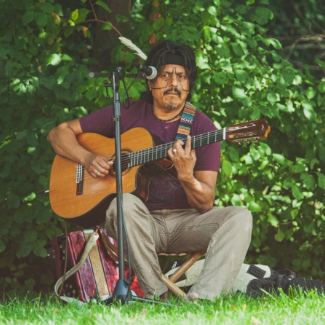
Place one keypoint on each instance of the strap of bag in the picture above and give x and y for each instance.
(186, 121)
(90, 244)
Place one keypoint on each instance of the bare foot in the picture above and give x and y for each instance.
(192, 297)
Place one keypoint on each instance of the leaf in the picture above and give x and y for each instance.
(29, 197)
(46, 7)
(236, 200)
(222, 50)
(254, 207)
(238, 92)
(30, 235)
(241, 75)
(297, 193)
(13, 201)
(289, 182)
(82, 15)
(308, 180)
(48, 82)
(123, 19)
(233, 154)
(202, 61)
(242, 9)
(107, 26)
(103, 5)
(273, 97)
(279, 235)
(225, 65)
(321, 180)
(24, 249)
(38, 248)
(272, 219)
(262, 15)
(311, 92)
(314, 162)
(227, 167)
(309, 111)
(20, 216)
(220, 78)
(212, 11)
(158, 24)
(75, 15)
(279, 158)
(41, 19)
(206, 18)
(237, 49)
(274, 42)
(53, 59)
(28, 17)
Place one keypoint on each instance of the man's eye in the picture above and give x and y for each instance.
(164, 75)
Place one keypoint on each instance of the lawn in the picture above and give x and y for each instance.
(297, 308)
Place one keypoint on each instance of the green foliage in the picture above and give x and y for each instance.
(43, 82)
(44, 65)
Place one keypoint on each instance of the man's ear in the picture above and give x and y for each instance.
(149, 86)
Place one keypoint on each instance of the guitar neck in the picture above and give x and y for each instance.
(160, 151)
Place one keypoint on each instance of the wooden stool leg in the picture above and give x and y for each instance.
(173, 287)
(185, 266)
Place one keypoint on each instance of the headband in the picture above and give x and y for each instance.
(174, 59)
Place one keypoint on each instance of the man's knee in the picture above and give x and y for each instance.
(242, 218)
(133, 208)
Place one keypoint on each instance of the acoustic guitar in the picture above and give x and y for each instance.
(82, 199)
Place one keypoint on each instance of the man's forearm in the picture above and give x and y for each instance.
(199, 195)
(65, 144)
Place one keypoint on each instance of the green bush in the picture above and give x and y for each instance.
(45, 60)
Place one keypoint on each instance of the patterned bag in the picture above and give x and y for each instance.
(98, 274)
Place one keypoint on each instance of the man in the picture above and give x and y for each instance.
(179, 215)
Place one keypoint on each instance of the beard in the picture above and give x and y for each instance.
(171, 107)
(172, 104)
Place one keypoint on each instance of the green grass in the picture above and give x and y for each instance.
(237, 309)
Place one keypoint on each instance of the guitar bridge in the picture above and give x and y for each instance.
(79, 180)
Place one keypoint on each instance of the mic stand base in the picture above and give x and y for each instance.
(123, 295)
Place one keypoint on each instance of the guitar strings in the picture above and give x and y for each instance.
(160, 151)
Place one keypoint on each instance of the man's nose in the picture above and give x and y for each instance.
(173, 80)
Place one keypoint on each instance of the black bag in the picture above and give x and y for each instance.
(284, 279)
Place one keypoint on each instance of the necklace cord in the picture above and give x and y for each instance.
(169, 120)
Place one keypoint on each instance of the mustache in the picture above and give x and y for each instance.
(175, 90)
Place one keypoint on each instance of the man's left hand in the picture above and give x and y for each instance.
(184, 159)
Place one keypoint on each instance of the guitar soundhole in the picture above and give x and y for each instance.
(125, 160)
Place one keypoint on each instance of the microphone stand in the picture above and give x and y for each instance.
(122, 291)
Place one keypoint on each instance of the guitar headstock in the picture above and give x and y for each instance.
(248, 132)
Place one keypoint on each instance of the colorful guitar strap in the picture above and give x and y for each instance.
(185, 123)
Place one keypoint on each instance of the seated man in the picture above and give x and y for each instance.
(179, 215)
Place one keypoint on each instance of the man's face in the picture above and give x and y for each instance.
(171, 87)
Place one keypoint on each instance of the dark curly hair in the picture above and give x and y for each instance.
(160, 55)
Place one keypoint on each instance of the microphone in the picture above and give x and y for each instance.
(149, 71)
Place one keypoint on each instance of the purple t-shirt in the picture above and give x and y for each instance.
(165, 190)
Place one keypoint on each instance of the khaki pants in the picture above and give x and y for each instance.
(224, 232)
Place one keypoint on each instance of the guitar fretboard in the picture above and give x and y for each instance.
(147, 155)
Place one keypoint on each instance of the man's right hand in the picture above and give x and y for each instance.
(97, 166)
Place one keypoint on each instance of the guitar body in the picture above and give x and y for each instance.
(88, 208)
